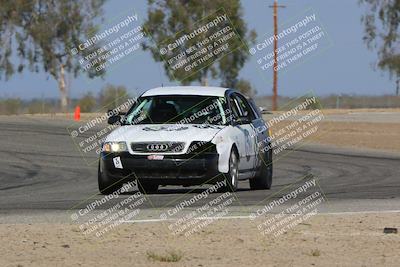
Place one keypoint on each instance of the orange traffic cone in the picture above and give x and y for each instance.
(77, 115)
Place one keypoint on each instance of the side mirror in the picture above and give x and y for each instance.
(114, 119)
(263, 110)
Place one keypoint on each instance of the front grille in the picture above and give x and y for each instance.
(158, 147)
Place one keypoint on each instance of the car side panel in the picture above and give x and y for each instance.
(260, 135)
(248, 145)
(224, 141)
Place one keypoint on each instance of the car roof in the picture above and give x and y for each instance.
(187, 90)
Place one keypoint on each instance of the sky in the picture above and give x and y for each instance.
(343, 65)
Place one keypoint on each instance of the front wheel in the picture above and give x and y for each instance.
(263, 180)
(106, 185)
(232, 177)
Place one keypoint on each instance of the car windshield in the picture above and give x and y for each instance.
(182, 109)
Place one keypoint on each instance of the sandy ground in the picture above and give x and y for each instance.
(384, 136)
(379, 136)
(377, 129)
(322, 240)
(371, 128)
(360, 110)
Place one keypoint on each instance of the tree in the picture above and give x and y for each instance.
(87, 102)
(168, 17)
(245, 87)
(43, 33)
(112, 96)
(382, 32)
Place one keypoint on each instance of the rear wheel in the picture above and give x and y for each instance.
(147, 187)
(106, 185)
(231, 178)
(263, 180)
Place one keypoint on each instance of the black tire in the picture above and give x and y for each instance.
(232, 177)
(106, 185)
(263, 180)
(147, 187)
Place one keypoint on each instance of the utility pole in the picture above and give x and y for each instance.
(275, 85)
(397, 86)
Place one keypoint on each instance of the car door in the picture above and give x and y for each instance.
(251, 138)
(245, 134)
(261, 130)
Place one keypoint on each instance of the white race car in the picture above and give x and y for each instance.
(187, 135)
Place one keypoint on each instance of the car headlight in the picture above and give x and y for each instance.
(115, 147)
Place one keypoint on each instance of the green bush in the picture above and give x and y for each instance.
(87, 103)
(10, 106)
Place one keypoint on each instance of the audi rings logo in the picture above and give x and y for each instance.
(157, 147)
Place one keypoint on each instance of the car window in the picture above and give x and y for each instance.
(234, 106)
(245, 107)
(254, 107)
(182, 109)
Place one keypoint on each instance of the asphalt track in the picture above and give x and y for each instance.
(41, 170)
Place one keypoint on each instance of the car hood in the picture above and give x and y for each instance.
(164, 132)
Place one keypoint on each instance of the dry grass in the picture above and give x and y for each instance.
(315, 253)
(169, 256)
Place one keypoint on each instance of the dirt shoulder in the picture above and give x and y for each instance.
(322, 240)
(363, 135)
(379, 136)
(376, 129)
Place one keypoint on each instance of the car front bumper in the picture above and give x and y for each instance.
(171, 170)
